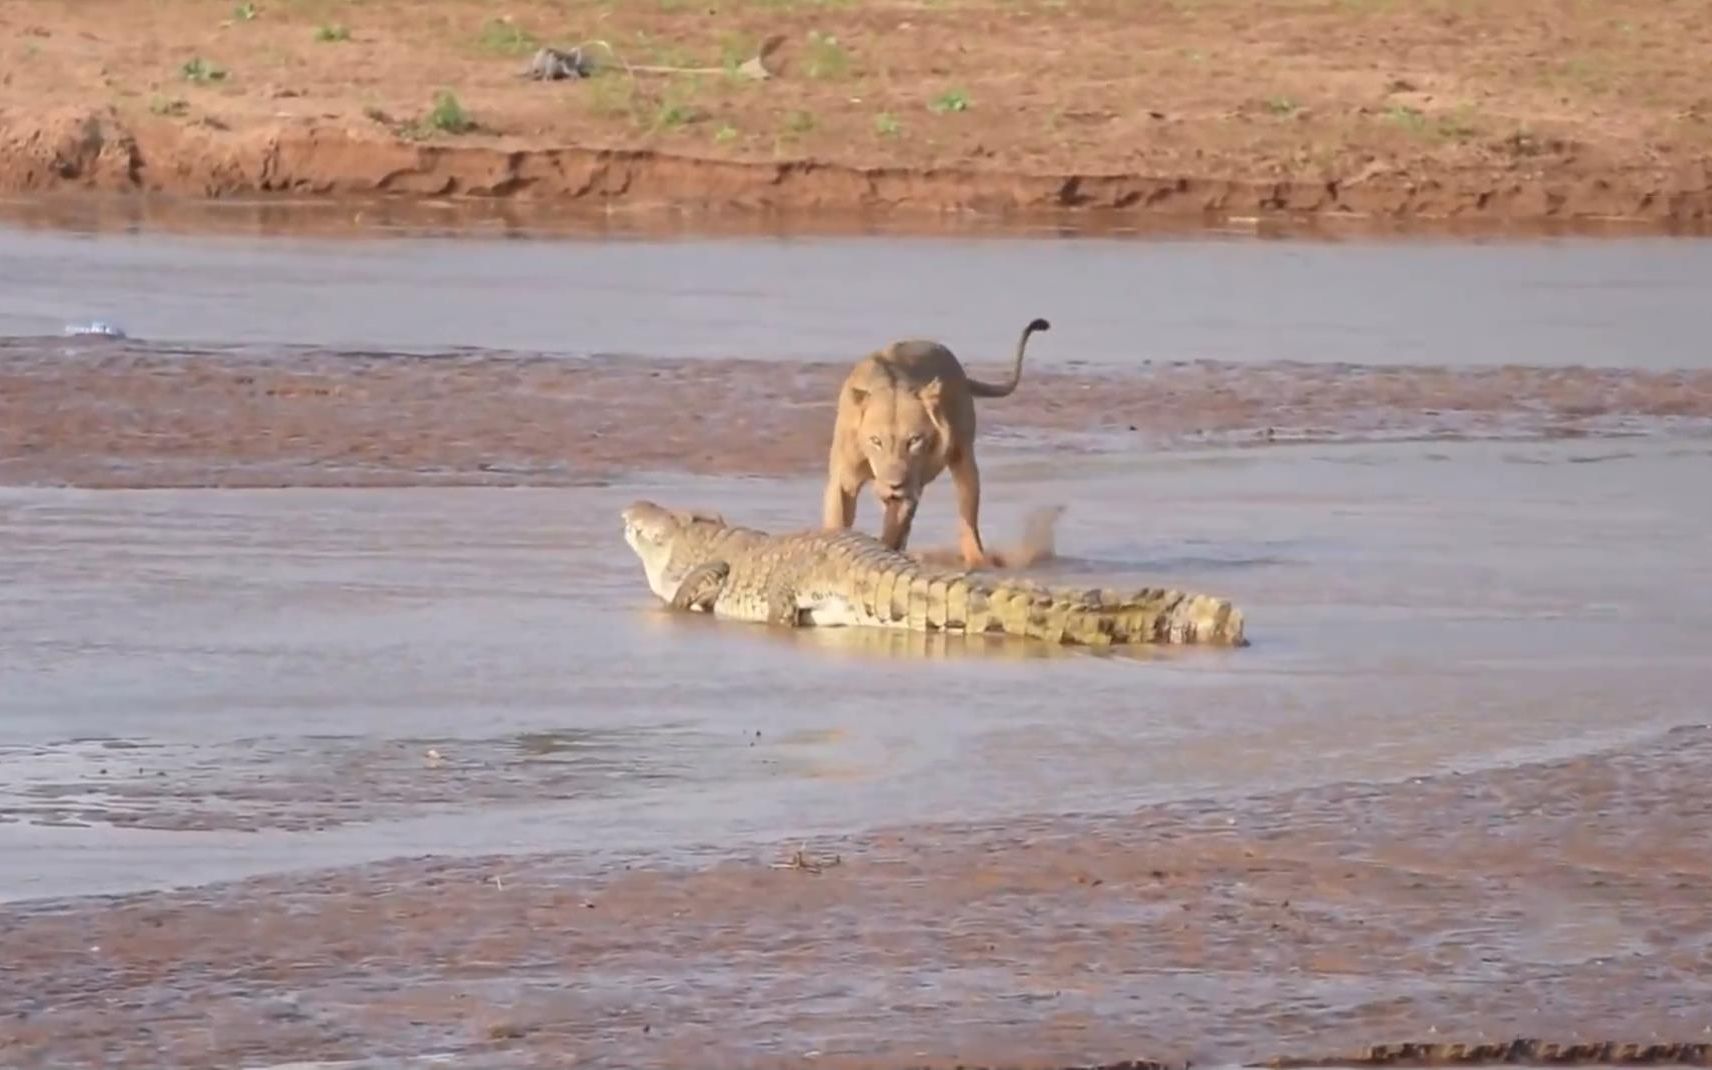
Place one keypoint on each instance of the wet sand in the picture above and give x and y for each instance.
(119, 414)
(1454, 908)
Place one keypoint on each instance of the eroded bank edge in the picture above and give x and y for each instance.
(98, 151)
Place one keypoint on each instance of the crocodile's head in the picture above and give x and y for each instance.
(667, 541)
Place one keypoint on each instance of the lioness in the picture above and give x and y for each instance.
(906, 413)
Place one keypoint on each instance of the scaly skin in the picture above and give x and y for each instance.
(821, 578)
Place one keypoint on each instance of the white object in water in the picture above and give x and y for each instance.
(107, 330)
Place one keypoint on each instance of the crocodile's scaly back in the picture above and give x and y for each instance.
(889, 589)
(821, 578)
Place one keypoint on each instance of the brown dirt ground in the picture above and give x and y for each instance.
(1521, 110)
(118, 414)
(1562, 900)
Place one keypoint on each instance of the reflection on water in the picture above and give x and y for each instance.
(864, 644)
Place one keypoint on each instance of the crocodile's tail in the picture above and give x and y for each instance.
(1097, 617)
(895, 592)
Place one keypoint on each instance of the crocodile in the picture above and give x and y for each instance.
(696, 561)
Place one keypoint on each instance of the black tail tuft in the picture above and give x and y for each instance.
(1038, 324)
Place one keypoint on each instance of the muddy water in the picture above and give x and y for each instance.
(1618, 302)
(203, 684)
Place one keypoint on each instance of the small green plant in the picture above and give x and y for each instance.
(198, 70)
(1406, 117)
(1281, 106)
(674, 113)
(334, 32)
(798, 122)
(886, 125)
(826, 57)
(949, 101)
(506, 37)
(245, 12)
(170, 106)
(448, 116)
(725, 134)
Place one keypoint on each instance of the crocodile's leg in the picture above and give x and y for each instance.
(700, 586)
(782, 605)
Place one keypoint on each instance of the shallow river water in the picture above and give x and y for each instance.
(254, 679)
(1630, 302)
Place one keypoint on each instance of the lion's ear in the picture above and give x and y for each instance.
(933, 400)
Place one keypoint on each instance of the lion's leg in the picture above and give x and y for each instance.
(900, 516)
(967, 477)
(838, 505)
(838, 502)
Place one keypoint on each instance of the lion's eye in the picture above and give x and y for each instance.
(915, 440)
(875, 439)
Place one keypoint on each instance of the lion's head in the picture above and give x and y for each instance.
(901, 432)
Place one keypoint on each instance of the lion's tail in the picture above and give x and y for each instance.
(995, 390)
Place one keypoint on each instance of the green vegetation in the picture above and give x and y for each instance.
(949, 101)
(447, 116)
(198, 70)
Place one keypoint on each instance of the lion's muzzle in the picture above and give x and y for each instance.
(889, 493)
